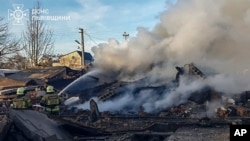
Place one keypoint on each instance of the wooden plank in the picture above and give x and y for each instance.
(5, 97)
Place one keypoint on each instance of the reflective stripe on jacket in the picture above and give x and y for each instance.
(54, 109)
(50, 100)
(21, 103)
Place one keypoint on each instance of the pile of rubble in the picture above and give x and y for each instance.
(206, 115)
(192, 120)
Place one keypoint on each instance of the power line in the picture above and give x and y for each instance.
(90, 38)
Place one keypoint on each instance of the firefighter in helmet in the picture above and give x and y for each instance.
(21, 101)
(51, 101)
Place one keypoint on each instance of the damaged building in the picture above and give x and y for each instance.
(96, 110)
(203, 111)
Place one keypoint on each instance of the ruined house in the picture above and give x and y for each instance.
(183, 121)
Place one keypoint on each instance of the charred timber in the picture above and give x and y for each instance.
(121, 124)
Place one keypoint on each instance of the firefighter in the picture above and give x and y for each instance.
(21, 101)
(51, 101)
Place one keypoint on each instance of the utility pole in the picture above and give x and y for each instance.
(125, 35)
(82, 45)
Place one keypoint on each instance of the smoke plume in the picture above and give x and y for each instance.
(213, 34)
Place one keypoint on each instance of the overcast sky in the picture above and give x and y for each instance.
(102, 19)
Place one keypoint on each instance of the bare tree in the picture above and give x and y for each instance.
(37, 39)
(8, 46)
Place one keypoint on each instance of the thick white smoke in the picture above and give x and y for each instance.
(213, 34)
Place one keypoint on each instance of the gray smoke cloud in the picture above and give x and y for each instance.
(213, 34)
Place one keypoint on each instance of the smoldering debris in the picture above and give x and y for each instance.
(203, 32)
(213, 34)
(138, 96)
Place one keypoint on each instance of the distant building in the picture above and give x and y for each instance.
(73, 59)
